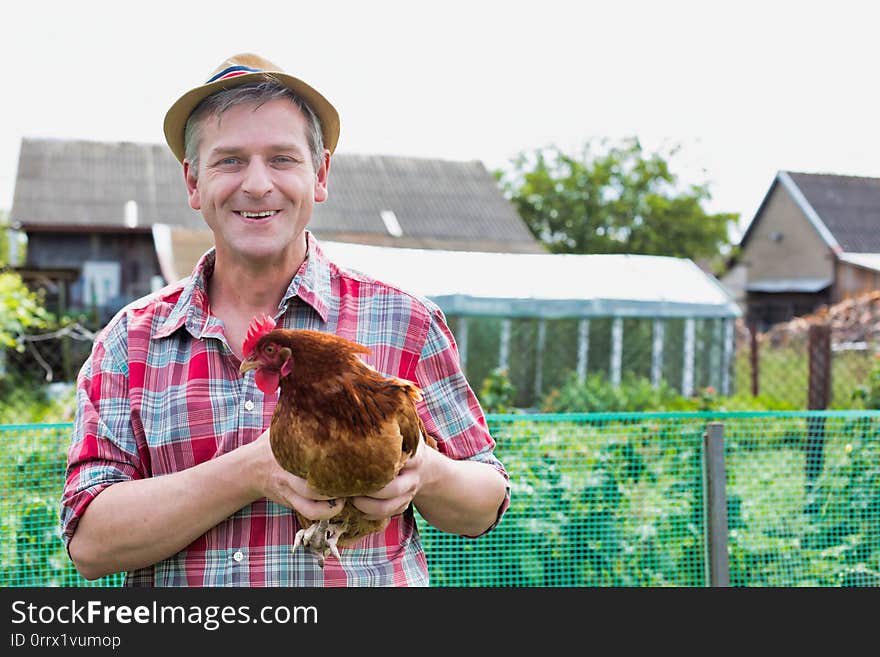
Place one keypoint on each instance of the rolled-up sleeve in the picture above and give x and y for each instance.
(450, 409)
(103, 448)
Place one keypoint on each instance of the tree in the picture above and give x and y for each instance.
(20, 310)
(615, 199)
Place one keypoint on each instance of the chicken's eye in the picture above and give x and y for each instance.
(270, 349)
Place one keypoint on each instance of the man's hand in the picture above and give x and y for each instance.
(277, 484)
(394, 498)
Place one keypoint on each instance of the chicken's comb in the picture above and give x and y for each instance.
(258, 327)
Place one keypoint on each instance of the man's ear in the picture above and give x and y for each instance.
(192, 187)
(322, 176)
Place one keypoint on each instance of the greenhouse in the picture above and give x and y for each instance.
(545, 317)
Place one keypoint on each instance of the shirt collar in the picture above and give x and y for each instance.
(311, 283)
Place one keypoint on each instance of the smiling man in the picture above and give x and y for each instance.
(170, 475)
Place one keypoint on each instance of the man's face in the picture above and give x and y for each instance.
(256, 185)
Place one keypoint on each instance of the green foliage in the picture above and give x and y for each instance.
(23, 398)
(598, 395)
(745, 402)
(591, 505)
(24, 402)
(786, 533)
(19, 246)
(867, 395)
(497, 394)
(846, 499)
(614, 199)
(619, 502)
(20, 310)
(637, 394)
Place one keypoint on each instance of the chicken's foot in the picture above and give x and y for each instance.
(321, 537)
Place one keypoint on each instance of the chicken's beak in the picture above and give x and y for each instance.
(248, 365)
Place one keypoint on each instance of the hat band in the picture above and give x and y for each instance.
(232, 72)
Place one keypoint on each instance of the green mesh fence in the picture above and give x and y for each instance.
(32, 465)
(597, 500)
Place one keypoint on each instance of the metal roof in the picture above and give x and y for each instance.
(544, 285)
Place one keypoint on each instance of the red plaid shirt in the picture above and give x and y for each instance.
(161, 392)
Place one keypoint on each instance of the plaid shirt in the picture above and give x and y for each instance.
(161, 392)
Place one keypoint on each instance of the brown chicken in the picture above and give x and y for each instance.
(339, 424)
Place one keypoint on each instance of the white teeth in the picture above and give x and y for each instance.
(257, 215)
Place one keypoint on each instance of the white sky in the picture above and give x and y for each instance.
(748, 88)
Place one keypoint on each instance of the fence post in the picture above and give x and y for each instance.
(819, 393)
(818, 398)
(715, 505)
(754, 359)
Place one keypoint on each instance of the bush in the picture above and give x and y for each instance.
(597, 395)
(23, 402)
(497, 394)
(868, 395)
(637, 394)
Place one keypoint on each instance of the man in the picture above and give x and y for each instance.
(170, 474)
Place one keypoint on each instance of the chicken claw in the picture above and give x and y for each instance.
(320, 538)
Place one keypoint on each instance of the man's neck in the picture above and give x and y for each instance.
(237, 293)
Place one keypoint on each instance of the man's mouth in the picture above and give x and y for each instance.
(257, 215)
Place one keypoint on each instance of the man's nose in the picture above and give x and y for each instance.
(258, 179)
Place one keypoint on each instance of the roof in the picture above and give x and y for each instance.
(544, 285)
(508, 284)
(436, 203)
(806, 285)
(844, 210)
(71, 183)
(864, 260)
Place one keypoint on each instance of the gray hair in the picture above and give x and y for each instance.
(255, 94)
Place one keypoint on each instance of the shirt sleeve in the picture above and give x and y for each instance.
(450, 409)
(103, 448)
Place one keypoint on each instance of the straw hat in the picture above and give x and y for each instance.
(238, 70)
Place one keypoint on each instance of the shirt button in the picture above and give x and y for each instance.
(249, 405)
(238, 556)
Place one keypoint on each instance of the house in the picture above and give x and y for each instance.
(114, 218)
(814, 240)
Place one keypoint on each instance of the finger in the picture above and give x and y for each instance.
(404, 484)
(318, 509)
(376, 509)
(301, 487)
(310, 502)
